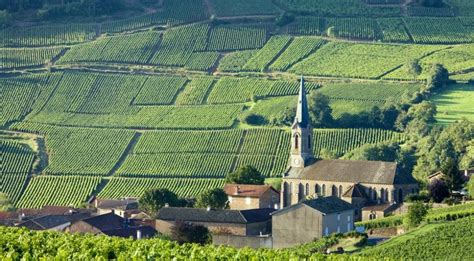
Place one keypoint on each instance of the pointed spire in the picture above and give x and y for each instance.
(302, 115)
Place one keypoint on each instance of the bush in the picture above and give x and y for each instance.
(189, 233)
(438, 190)
(416, 213)
(254, 119)
(416, 197)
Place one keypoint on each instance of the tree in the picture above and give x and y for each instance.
(189, 233)
(380, 151)
(319, 109)
(153, 200)
(416, 213)
(450, 168)
(438, 78)
(328, 154)
(284, 19)
(470, 187)
(214, 198)
(285, 117)
(413, 68)
(245, 175)
(253, 119)
(438, 190)
(5, 203)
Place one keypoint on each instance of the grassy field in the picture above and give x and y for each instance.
(454, 103)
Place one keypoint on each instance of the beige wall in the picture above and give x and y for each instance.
(378, 193)
(296, 226)
(164, 226)
(266, 200)
(242, 241)
(342, 222)
(83, 227)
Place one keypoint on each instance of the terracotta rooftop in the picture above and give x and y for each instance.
(244, 190)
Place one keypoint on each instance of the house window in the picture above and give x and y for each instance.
(247, 200)
(349, 218)
(338, 229)
(326, 231)
(349, 227)
(340, 191)
(230, 199)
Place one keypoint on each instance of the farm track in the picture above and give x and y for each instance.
(125, 153)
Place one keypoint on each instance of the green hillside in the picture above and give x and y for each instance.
(156, 94)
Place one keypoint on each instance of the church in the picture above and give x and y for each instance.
(359, 182)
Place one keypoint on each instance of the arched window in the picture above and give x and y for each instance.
(400, 195)
(382, 195)
(286, 194)
(300, 192)
(307, 189)
(372, 215)
(374, 195)
(317, 189)
(340, 191)
(324, 190)
(334, 191)
(296, 141)
(370, 193)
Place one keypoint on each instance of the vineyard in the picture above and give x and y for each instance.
(58, 191)
(17, 159)
(433, 241)
(160, 98)
(22, 57)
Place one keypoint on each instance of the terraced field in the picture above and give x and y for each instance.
(159, 99)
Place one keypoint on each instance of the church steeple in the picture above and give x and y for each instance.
(302, 115)
(301, 132)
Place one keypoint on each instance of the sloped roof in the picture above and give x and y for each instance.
(215, 215)
(351, 171)
(325, 205)
(123, 204)
(302, 115)
(245, 190)
(51, 221)
(106, 221)
(146, 231)
(355, 191)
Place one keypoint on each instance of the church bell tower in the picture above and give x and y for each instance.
(301, 133)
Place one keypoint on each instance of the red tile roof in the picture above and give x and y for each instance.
(244, 190)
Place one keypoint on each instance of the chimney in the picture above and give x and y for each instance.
(167, 205)
(139, 234)
(208, 208)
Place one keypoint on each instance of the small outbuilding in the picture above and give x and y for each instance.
(311, 219)
(243, 196)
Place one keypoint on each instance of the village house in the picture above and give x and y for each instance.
(242, 196)
(358, 182)
(308, 220)
(378, 211)
(53, 222)
(220, 221)
(126, 208)
(112, 225)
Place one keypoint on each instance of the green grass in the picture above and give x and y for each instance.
(454, 103)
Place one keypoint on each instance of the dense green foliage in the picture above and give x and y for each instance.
(245, 175)
(452, 240)
(213, 198)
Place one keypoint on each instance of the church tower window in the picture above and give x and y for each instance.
(296, 142)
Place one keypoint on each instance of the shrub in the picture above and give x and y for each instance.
(189, 233)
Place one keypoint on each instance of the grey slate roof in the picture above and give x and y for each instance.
(215, 215)
(355, 191)
(125, 204)
(51, 221)
(350, 171)
(106, 221)
(302, 115)
(325, 205)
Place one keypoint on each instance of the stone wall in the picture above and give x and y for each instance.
(242, 241)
